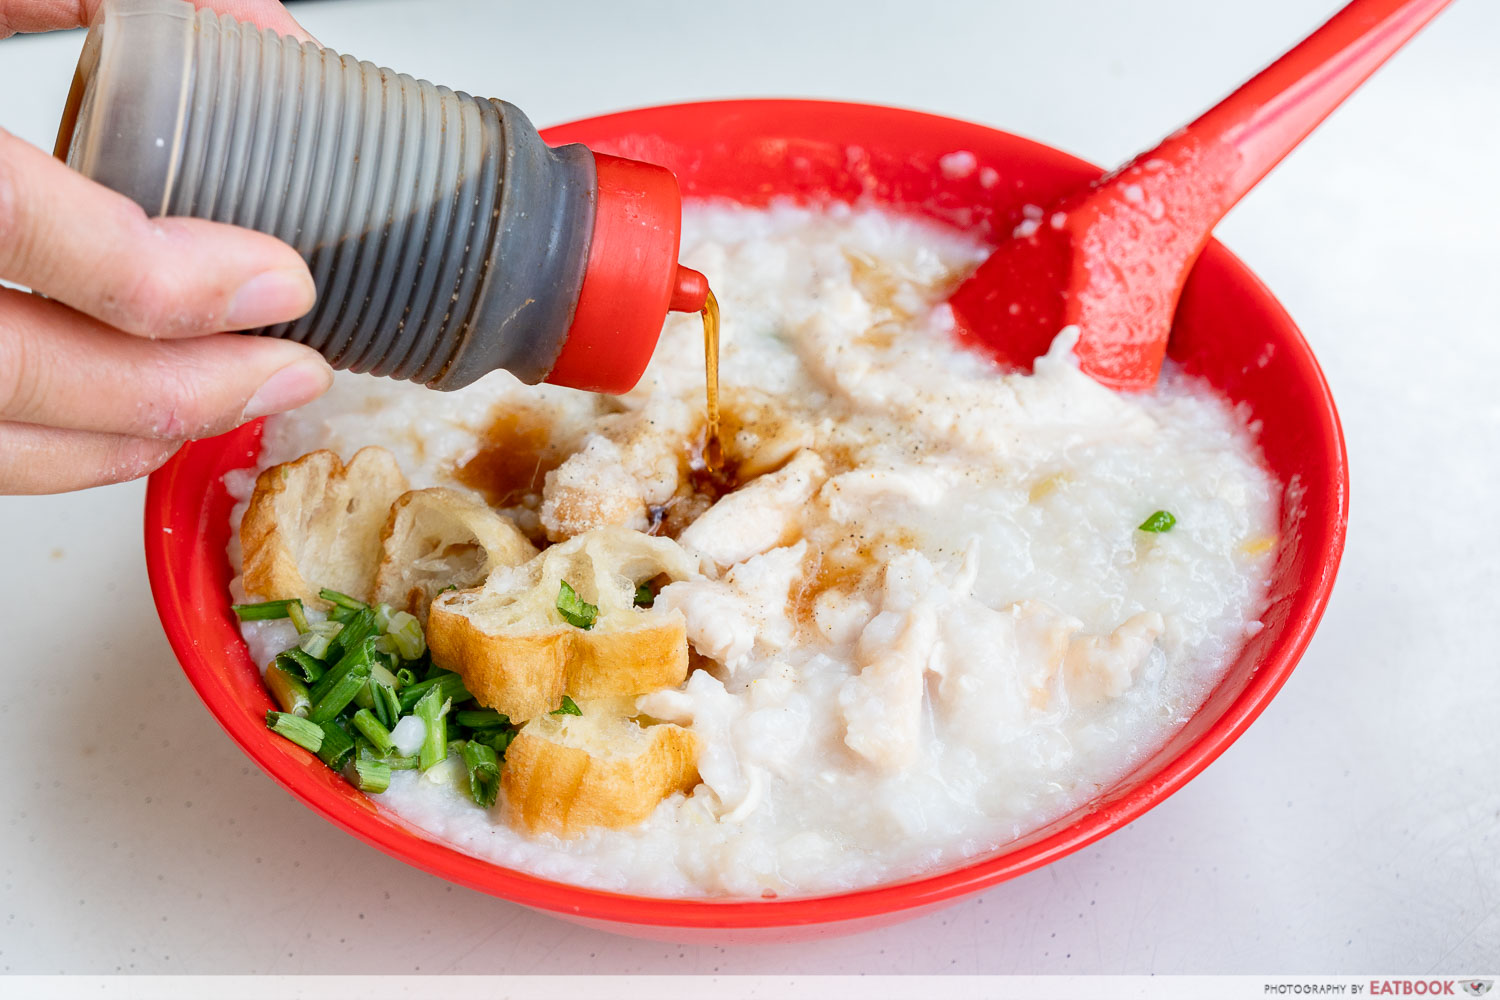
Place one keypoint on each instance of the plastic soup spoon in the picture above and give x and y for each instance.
(1113, 257)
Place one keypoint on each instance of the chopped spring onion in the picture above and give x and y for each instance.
(364, 698)
(498, 740)
(298, 616)
(265, 610)
(315, 644)
(481, 718)
(288, 690)
(337, 689)
(297, 663)
(337, 748)
(644, 595)
(405, 678)
(307, 735)
(318, 641)
(380, 674)
(568, 707)
(1161, 521)
(574, 609)
(339, 613)
(342, 600)
(407, 631)
(383, 617)
(377, 734)
(336, 673)
(450, 684)
(368, 775)
(483, 765)
(356, 630)
(432, 709)
(382, 688)
(387, 704)
(398, 762)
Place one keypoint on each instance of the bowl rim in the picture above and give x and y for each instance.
(183, 478)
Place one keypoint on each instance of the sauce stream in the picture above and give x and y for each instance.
(713, 450)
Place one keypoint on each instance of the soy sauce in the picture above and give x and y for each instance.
(713, 450)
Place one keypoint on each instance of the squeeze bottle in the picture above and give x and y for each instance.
(446, 239)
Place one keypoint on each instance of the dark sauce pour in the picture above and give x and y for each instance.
(708, 474)
(713, 448)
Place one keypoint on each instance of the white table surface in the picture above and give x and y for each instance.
(1354, 828)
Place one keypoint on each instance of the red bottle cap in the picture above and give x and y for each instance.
(631, 280)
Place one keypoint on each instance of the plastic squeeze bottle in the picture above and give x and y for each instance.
(445, 238)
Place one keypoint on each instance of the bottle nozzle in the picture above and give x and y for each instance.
(689, 291)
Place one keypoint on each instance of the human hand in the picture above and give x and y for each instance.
(103, 380)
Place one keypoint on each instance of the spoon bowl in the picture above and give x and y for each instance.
(1112, 258)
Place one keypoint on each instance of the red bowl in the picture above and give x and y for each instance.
(1228, 329)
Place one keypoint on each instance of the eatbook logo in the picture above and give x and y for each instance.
(1477, 987)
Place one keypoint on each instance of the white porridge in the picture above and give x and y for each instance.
(927, 621)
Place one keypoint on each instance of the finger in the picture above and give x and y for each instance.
(49, 15)
(80, 243)
(54, 460)
(63, 369)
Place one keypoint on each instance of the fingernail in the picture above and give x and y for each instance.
(297, 383)
(272, 297)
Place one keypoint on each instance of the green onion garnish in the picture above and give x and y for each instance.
(498, 740)
(307, 735)
(407, 632)
(340, 685)
(297, 663)
(315, 644)
(356, 630)
(298, 616)
(365, 697)
(450, 684)
(405, 678)
(339, 613)
(288, 690)
(644, 595)
(432, 709)
(360, 657)
(368, 775)
(483, 765)
(319, 639)
(378, 735)
(574, 609)
(337, 748)
(387, 704)
(568, 707)
(481, 718)
(380, 674)
(396, 762)
(265, 610)
(1161, 521)
(342, 600)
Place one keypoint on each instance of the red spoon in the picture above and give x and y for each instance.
(1113, 258)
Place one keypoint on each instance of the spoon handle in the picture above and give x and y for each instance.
(1275, 110)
